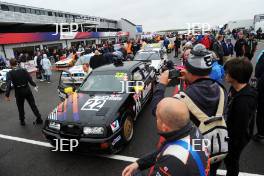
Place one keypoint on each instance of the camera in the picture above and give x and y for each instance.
(174, 73)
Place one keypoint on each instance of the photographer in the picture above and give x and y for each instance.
(203, 91)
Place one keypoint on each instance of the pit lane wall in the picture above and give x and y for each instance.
(9, 41)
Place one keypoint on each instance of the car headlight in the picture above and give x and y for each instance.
(54, 125)
(93, 130)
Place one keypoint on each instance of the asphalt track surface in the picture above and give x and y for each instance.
(25, 152)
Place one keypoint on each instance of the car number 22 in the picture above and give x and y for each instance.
(93, 105)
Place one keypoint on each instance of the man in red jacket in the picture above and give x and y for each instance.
(206, 41)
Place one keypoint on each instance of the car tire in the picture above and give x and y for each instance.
(3, 86)
(128, 128)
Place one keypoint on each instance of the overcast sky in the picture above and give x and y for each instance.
(158, 14)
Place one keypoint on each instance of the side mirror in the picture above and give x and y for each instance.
(137, 77)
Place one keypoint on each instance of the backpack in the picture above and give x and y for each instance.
(213, 128)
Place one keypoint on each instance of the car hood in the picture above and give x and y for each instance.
(76, 69)
(99, 109)
(155, 64)
(64, 61)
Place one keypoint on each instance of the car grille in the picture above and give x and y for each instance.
(71, 130)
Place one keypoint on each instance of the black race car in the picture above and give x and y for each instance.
(101, 113)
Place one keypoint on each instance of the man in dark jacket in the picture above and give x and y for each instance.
(242, 104)
(259, 74)
(203, 91)
(251, 47)
(218, 49)
(228, 49)
(177, 45)
(20, 78)
(97, 60)
(173, 157)
(166, 42)
(259, 33)
(240, 45)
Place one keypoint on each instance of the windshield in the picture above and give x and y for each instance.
(103, 83)
(147, 56)
(85, 59)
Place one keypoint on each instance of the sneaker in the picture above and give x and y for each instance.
(42, 80)
(48, 82)
(22, 123)
(38, 122)
(258, 137)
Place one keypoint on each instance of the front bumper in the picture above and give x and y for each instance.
(85, 143)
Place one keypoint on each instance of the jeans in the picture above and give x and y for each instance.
(47, 78)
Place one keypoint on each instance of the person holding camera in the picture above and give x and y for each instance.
(204, 94)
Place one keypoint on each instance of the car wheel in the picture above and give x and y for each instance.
(128, 128)
(3, 87)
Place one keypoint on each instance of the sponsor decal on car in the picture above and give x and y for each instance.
(120, 74)
(115, 126)
(108, 97)
(116, 140)
(146, 91)
(93, 105)
(137, 99)
(97, 102)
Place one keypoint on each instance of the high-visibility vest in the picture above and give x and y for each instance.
(129, 48)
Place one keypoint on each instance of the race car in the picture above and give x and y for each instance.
(3, 79)
(68, 62)
(101, 113)
(77, 72)
(155, 56)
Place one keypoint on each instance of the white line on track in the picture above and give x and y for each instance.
(115, 157)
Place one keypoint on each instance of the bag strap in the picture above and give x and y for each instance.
(194, 154)
(221, 104)
(196, 111)
(193, 108)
